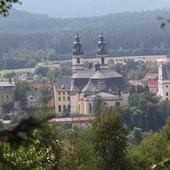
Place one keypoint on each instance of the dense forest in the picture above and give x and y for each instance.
(29, 38)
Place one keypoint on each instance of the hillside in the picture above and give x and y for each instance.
(24, 22)
(26, 38)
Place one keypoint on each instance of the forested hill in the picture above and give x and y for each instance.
(24, 22)
(23, 36)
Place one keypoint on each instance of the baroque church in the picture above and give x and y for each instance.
(78, 92)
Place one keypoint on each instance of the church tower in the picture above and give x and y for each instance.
(102, 53)
(77, 56)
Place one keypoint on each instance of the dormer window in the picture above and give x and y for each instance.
(63, 87)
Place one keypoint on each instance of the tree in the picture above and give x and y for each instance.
(31, 144)
(7, 106)
(20, 93)
(97, 104)
(110, 140)
(77, 152)
(6, 5)
(45, 95)
(41, 71)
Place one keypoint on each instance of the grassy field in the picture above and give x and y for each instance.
(2, 72)
(148, 57)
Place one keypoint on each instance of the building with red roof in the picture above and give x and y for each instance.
(153, 85)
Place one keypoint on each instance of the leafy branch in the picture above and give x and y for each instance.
(6, 5)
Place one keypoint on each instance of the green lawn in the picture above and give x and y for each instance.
(2, 72)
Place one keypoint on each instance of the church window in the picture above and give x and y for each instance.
(64, 107)
(68, 107)
(59, 108)
(59, 99)
(90, 108)
(78, 60)
(68, 98)
(102, 60)
(166, 93)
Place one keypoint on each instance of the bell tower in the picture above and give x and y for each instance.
(77, 56)
(102, 53)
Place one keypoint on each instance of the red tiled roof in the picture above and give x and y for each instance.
(71, 119)
(136, 82)
(53, 67)
(153, 84)
(150, 76)
(40, 85)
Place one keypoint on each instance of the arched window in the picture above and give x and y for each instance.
(90, 108)
(68, 107)
(102, 60)
(64, 107)
(78, 60)
(59, 108)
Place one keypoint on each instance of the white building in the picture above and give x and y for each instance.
(164, 81)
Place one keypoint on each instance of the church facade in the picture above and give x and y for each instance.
(78, 92)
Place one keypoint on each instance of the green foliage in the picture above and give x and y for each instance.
(110, 140)
(31, 144)
(6, 5)
(45, 95)
(7, 106)
(97, 104)
(152, 153)
(145, 111)
(77, 150)
(9, 75)
(133, 70)
(20, 91)
(41, 71)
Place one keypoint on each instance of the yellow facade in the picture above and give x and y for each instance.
(62, 100)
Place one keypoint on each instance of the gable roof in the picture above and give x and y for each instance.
(153, 84)
(136, 83)
(63, 84)
(150, 76)
(166, 71)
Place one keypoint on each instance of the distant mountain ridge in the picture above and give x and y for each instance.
(24, 22)
(87, 8)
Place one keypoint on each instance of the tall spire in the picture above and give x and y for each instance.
(101, 45)
(77, 56)
(102, 53)
(77, 46)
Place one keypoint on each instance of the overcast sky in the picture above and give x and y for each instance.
(81, 8)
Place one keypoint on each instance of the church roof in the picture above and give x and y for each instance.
(166, 71)
(105, 96)
(91, 73)
(63, 84)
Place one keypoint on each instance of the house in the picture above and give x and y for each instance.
(153, 86)
(78, 92)
(150, 76)
(164, 81)
(136, 83)
(6, 93)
